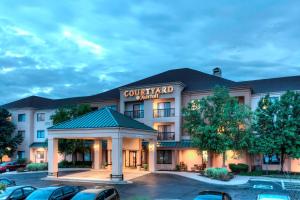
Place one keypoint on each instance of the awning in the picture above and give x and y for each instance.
(39, 145)
(181, 144)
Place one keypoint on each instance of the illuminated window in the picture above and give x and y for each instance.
(164, 157)
(40, 154)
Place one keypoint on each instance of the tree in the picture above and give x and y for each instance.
(70, 146)
(277, 124)
(218, 123)
(8, 140)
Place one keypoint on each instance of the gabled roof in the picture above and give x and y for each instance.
(274, 84)
(193, 79)
(103, 118)
(30, 102)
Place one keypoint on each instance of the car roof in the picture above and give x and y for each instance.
(274, 196)
(20, 186)
(94, 191)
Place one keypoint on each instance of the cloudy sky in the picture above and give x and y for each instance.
(72, 48)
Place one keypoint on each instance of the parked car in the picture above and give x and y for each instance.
(55, 193)
(7, 182)
(106, 193)
(272, 197)
(213, 195)
(16, 192)
(10, 166)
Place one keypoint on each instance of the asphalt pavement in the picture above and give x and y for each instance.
(168, 186)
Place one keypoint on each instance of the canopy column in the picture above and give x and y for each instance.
(97, 154)
(117, 159)
(53, 157)
(152, 155)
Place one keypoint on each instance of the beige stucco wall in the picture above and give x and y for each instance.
(190, 157)
(295, 165)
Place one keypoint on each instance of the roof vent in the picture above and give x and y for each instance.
(217, 72)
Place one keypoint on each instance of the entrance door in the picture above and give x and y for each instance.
(132, 158)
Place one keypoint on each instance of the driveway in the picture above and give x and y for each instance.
(164, 186)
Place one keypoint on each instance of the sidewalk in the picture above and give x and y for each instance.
(237, 180)
(43, 171)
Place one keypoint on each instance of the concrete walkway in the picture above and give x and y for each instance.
(60, 169)
(98, 176)
(237, 180)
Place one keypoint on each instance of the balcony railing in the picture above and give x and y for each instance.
(167, 112)
(135, 113)
(166, 136)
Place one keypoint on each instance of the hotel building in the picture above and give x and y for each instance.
(153, 103)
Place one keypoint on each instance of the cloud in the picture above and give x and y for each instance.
(74, 48)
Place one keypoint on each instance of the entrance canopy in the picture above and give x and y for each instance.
(105, 124)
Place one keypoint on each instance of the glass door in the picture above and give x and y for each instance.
(132, 158)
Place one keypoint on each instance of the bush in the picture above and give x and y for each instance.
(37, 166)
(21, 161)
(239, 168)
(2, 186)
(218, 173)
(80, 164)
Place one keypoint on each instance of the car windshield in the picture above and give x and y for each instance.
(84, 195)
(6, 192)
(208, 197)
(40, 194)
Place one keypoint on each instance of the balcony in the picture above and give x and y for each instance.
(165, 136)
(135, 114)
(167, 112)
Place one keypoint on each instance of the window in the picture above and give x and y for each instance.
(164, 157)
(57, 193)
(273, 99)
(68, 190)
(109, 193)
(27, 190)
(17, 194)
(101, 196)
(21, 133)
(40, 117)
(40, 134)
(21, 154)
(113, 107)
(87, 155)
(40, 154)
(21, 117)
(271, 159)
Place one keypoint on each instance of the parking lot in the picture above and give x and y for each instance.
(167, 186)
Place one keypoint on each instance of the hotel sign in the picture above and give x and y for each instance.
(148, 93)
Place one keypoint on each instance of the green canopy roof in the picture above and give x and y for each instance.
(39, 145)
(172, 144)
(103, 118)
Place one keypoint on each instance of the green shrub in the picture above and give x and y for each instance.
(2, 187)
(216, 173)
(239, 168)
(37, 166)
(65, 164)
(22, 161)
(145, 166)
(80, 164)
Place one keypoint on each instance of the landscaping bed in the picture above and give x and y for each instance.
(221, 174)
